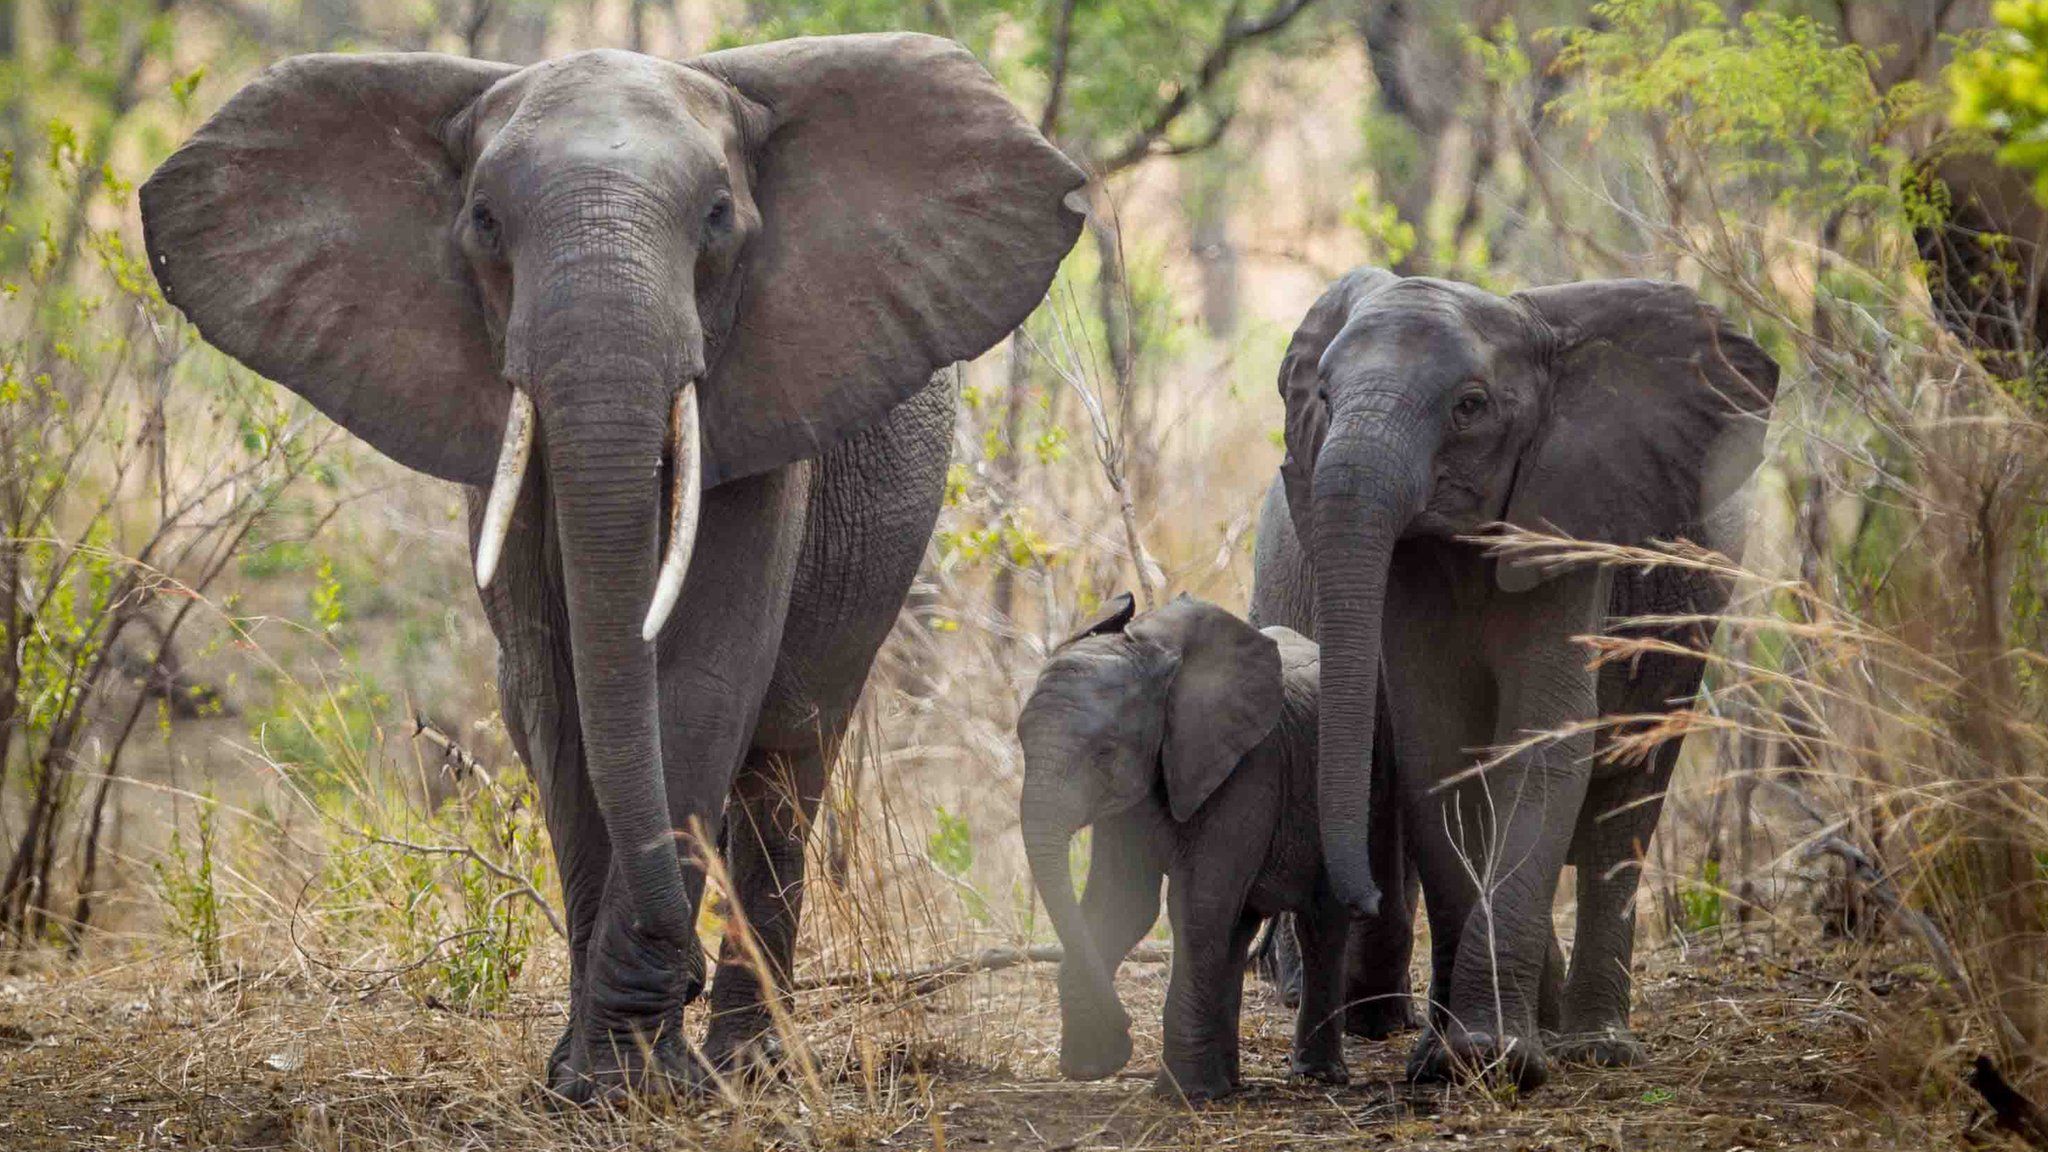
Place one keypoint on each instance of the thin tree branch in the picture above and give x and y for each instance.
(520, 884)
(1236, 35)
(1056, 94)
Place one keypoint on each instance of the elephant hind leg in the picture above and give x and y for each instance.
(1614, 830)
(1278, 960)
(1319, 1024)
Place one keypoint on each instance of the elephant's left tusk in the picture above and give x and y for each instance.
(682, 532)
(490, 543)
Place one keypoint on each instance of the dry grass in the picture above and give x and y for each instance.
(1753, 1049)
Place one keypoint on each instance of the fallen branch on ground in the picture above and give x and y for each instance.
(932, 977)
(1884, 892)
(2013, 1111)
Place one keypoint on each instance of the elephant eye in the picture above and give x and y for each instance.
(1470, 407)
(485, 224)
(720, 213)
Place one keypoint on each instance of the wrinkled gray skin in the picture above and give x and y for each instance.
(1421, 410)
(806, 231)
(1186, 738)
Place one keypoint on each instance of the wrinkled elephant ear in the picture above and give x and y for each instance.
(1224, 700)
(1115, 613)
(306, 230)
(911, 217)
(1308, 414)
(1657, 414)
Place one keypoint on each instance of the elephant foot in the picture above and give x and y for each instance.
(624, 1041)
(1380, 1017)
(637, 1065)
(742, 1045)
(1479, 1056)
(567, 1083)
(1319, 1069)
(1094, 1057)
(1193, 1086)
(1610, 1047)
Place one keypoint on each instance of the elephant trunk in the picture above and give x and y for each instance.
(1048, 827)
(610, 359)
(603, 455)
(1370, 482)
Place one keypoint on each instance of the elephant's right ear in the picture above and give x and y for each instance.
(1308, 412)
(910, 218)
(1226, 695)
(306, 231)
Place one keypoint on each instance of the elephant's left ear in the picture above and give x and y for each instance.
(1225, 698)
(911, 217)
(1657, 414)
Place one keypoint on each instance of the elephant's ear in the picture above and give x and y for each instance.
(1657, 414)
(1301, 379)
(1225, 697)
(306, 229)
(1115, 613)
(910, 218)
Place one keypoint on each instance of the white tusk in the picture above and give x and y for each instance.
(512, 456)
(684, 442)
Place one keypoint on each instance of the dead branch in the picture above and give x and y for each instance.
(1881, 888)
(455, 759)
(2010, 1109)
(932, 977)
(520, 884)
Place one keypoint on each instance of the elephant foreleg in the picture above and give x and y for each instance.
(715, 659)
(773, 804)
(551, 742)
(537, 695)
(1377, 1003)
(1126, 861)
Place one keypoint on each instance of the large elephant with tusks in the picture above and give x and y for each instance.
(676, 326)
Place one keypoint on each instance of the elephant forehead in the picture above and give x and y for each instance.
(1439, 316)
(1092, 686)
(605, 106)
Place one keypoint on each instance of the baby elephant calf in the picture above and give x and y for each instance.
(1187, 738)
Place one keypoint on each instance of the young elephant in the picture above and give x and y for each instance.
(1187, 738)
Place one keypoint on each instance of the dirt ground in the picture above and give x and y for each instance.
(1752, 1051)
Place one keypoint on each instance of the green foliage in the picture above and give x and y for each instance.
(449, 895)
(951, 848)
(1388, 238)
(326, 599)
(185, 881)
(951, 844)
(1700, 900)
(325, 734)
(1121, 57)
(2000, 85)
(1772, 103)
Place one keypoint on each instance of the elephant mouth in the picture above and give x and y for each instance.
(685, 498)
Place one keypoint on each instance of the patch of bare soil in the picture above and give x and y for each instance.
(1751, 1051)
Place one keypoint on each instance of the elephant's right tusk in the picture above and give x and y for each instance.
(490, 543)
(685, 440)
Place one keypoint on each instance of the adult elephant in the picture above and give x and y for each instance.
(711, 298)
(1420, 411)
